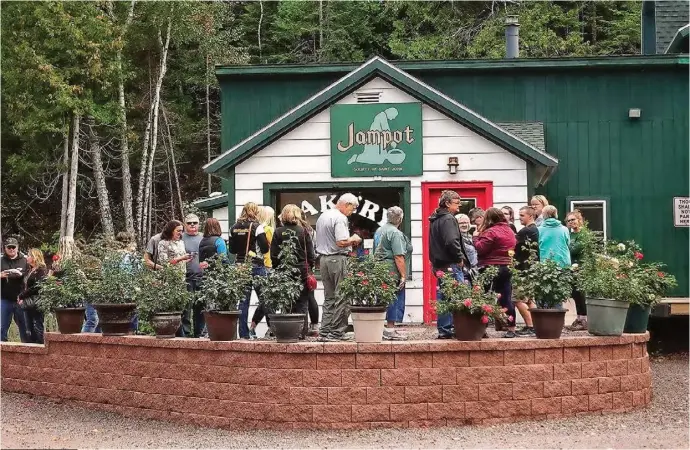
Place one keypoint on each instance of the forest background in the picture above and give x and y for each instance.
(110, 109)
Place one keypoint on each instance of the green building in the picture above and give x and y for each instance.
(606, 135)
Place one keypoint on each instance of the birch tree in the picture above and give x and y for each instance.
(67, 241)
(99, 178)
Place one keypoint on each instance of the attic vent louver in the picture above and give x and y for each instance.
(368, 96)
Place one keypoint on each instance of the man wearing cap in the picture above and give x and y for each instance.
(192, 238)
(14, 267)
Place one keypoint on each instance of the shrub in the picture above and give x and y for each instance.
(282, 287)
(369, 282)
(159, 291)
(463, 298)
(224, 285)
(66, 289)
(117, 280)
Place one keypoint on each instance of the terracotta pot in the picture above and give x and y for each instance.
(166, 324)
(287, 327)
(548, 323)
(368, 322)
(115, 319)
(222, 325)
(468, 327)
(69, 320)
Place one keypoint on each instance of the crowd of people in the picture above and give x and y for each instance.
(464, 245)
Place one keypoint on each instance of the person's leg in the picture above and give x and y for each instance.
(580, 304)
(36, 325)
(328, 280)
(198, 312)
(342, 305)
(502, 286)
(91, 322)
(396, 310)
(6, 312)
(313, 309)
(185, 329)
(20, 320)
(524, 312)
(302, 307)
(444, 322)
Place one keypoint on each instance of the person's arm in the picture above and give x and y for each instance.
(453, 238)
(483, 242)
(342, 235)
(221, 248)
(149, 263)
(275, 249)
(311, 256)
(262, 241)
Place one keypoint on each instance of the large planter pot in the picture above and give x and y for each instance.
(222, 325)
(166, 324)
(548, 323)
(115, 319)
(637, 318)
(287, 327)
(69, 320)
(606, 317)
(468, 327)
(368, 322)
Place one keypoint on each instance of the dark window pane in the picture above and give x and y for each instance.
(466, 204)
(593, 213)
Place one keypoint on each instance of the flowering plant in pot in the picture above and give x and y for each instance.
(471, 306)
(223, 286)
(281, 290)
(116, 281)
(369, 286)
(63, 294)
(161, 297)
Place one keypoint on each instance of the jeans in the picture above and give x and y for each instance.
(244, 304)
(336, 310)
(580, 304)
(91, 322)
(9, 309)
(396, 310)
(444, 322)
(193, 312)
(34, 325)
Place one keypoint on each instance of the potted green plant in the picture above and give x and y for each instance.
(223, 286)
(280, 290)
(471, 306)
(64, 294)
(161, 297)
(370, 287)
(603, 277)
(551, 286)
(654, 284)
(114, 290)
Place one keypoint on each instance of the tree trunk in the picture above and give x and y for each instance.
(208, 123)
(99, 178)
(258, 32)
(320, 54)
(154, 124)
(65, 185)
(67, 246)
(174, 164)
(124, 145)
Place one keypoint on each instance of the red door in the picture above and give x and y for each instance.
(473, 194)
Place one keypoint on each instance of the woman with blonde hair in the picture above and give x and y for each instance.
(268, 220)
(248, 242)
(538, 202)
(313, 306)
(28, 298)
(575, 222)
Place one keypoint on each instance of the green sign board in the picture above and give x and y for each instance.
(378, 139)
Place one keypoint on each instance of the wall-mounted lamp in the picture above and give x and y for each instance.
(634, 113)
(453, 165)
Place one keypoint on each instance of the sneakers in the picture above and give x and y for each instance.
(252, 334)
(313, 330)
(525, 332)
(578, 325)
(444, 336)
(392, 335)
(330, 337)
(510, 335)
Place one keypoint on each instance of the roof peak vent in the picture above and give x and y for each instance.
(368, 96)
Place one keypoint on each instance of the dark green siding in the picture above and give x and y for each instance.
(640, 164)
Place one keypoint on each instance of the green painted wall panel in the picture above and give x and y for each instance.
(640, 164)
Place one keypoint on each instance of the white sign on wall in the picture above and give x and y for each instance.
(681, 211)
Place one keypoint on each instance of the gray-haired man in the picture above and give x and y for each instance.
(333, 243)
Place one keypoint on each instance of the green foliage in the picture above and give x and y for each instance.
(119, 279)
(224, 285)
(368, 282)
(67, 289)
(157, 291)
(282, 286)
(462, 298)
(547, 283)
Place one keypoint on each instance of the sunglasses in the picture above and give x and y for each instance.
(192, 223)
(11, 247)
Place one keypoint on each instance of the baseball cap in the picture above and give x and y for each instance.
(11, 241)
(191, 218)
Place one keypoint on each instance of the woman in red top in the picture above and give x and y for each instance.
(493, 241)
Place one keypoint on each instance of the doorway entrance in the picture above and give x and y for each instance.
(473, 195)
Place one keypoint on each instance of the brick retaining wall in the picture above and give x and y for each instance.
(249, 384)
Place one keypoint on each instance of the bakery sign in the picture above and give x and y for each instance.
(377, 139)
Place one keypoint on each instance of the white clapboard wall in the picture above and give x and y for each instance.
(303, 155)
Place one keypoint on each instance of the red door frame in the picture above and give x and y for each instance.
(483, 191)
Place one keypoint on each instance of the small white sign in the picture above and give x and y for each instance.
(681, 211)
(368, 243)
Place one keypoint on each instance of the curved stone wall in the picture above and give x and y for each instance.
(249, 384)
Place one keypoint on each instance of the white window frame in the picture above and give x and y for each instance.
(602, 202)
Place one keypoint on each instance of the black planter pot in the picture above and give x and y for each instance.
(115, 319)
(637, 319)
(548, 323)
(69, 320)
(222, 325)
(287, 327)
(166, 324)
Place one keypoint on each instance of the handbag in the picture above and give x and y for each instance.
(311, 279)
(29, 302)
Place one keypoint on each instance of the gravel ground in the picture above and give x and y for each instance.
(38, 423)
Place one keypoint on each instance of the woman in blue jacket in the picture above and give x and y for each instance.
(554, 238)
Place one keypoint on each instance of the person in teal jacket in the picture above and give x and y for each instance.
(554, 238)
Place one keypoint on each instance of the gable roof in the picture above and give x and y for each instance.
(670, 16)
(679, 44)
(530, 132)
(378, 67)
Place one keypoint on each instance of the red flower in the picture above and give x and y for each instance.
(467, 302)
(638, 255)
(439, 274)
(487, 308)
(477, 289)
(384, 285)
(498, 295)
(365, 282)
(366, 252)
(485, 319)
(360, 274)
(510, 318)
(660, 274)
(56, 257)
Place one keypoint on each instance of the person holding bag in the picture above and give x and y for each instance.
(291, 229)
(28, 297)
